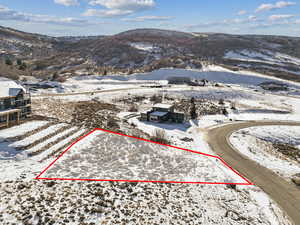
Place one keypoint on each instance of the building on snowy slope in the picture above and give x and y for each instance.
(187, 81)
(162, 113)
(274, 86)
(15, 102)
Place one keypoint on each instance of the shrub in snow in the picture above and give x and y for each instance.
(221, 101)
(133, 108)
(160, 137)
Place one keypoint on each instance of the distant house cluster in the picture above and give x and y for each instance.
(177, 80)
(274, 86)
(15, 102)
(163, 113)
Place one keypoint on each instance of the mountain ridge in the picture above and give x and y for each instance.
(143, 50)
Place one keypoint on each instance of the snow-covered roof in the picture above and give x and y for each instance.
(9, 88)
(157, 113)
(163, 106)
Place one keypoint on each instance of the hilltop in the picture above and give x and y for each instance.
(144, 50)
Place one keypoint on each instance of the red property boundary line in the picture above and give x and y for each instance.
(143, 181)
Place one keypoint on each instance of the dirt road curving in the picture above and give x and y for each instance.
(286, 194)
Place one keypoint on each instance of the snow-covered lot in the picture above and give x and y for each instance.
(114, 157)
(256, 143)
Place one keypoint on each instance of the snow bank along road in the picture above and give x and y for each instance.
(286, 195)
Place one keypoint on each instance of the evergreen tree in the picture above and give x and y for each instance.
(19, 62)
(193, 112)
(192, 100)
(8, 61)
(221, 101)
(23, 66)
(55, 76)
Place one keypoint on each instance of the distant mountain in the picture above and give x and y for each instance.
(149, 49)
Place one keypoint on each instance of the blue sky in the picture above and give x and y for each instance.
(97, 17)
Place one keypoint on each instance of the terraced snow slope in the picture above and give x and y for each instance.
(37, 136)
(50, 140)
(59, 145)
(21, 129)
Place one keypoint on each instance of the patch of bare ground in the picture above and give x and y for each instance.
(203, 107)
(279, 150)
(88, 114)
(288, 150)
(54, 108)
(96, 115)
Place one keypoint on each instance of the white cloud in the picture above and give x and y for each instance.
(252, 18)
(9, 14)
(148, 18)
(277, 5)
(106, 13)
(119, 7)
(242, 12)
(280, 17)
(67, 2)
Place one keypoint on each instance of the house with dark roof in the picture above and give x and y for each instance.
(163, 113)
(15, 102)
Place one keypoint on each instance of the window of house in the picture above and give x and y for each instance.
(12, 102)
(2, 119)
(2, 107)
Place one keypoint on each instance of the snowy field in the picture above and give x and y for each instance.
(114, 157)
(212, 73)
(256, 143)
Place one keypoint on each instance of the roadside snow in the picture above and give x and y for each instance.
(278, 134)
(254, 143)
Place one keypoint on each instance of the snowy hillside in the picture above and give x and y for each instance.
(144, 50)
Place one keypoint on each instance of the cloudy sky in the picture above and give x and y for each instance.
(97, 17)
